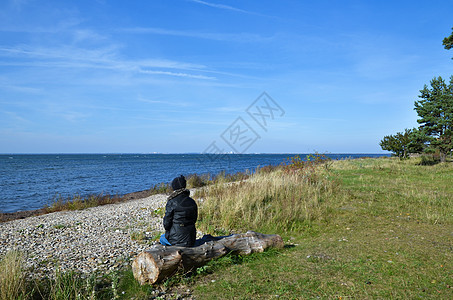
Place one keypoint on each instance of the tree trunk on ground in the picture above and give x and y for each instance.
(161, 262)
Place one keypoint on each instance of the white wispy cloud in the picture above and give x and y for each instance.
(66, 24)
(7, 85)
(73, 116)
(227, 7)
(167, 103)
(86, 34)
(221, 6)
(177, 74)
(16, 117)
(235, 37)
(98, 58)
(166, 63)
(183, 121)
(68, 53)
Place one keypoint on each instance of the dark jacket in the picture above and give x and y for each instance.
(181, 213)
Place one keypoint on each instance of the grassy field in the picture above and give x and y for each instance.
(362, 229)
(366, 228)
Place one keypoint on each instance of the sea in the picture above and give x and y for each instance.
(33, 181)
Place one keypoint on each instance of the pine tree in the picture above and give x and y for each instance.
(435, 110)
(403, 143)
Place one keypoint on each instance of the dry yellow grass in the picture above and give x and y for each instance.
(12, 276)
(282, 200)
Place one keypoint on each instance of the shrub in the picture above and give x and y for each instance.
(296, 163)
(160, 188)
(429, 160)
(267, 169)
(196, 181)
(78, 202)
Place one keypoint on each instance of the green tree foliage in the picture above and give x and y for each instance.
(403, 143)
(435, 110)
(418, 141)
(448, 42)
(394, 144)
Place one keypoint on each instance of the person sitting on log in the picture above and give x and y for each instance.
(181, 214)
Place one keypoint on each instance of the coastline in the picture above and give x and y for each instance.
(11, 216)
(32, 181)
(101, 238)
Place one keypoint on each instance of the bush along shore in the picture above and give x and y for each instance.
(363, 228)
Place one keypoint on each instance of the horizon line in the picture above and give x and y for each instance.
(182, 153)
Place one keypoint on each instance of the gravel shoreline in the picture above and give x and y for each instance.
(101, 238)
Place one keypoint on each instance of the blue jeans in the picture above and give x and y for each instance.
(163, 240)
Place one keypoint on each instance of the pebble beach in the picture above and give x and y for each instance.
(101, 238)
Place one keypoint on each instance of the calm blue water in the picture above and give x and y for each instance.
(33, 181)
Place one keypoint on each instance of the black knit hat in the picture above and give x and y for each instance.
(178, 183)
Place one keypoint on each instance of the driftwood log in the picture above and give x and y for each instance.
(161, 262)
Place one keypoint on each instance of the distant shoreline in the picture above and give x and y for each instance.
(195, 153)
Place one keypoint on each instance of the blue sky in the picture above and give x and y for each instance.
(173, 76)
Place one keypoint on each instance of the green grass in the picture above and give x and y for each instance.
(386, 232)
